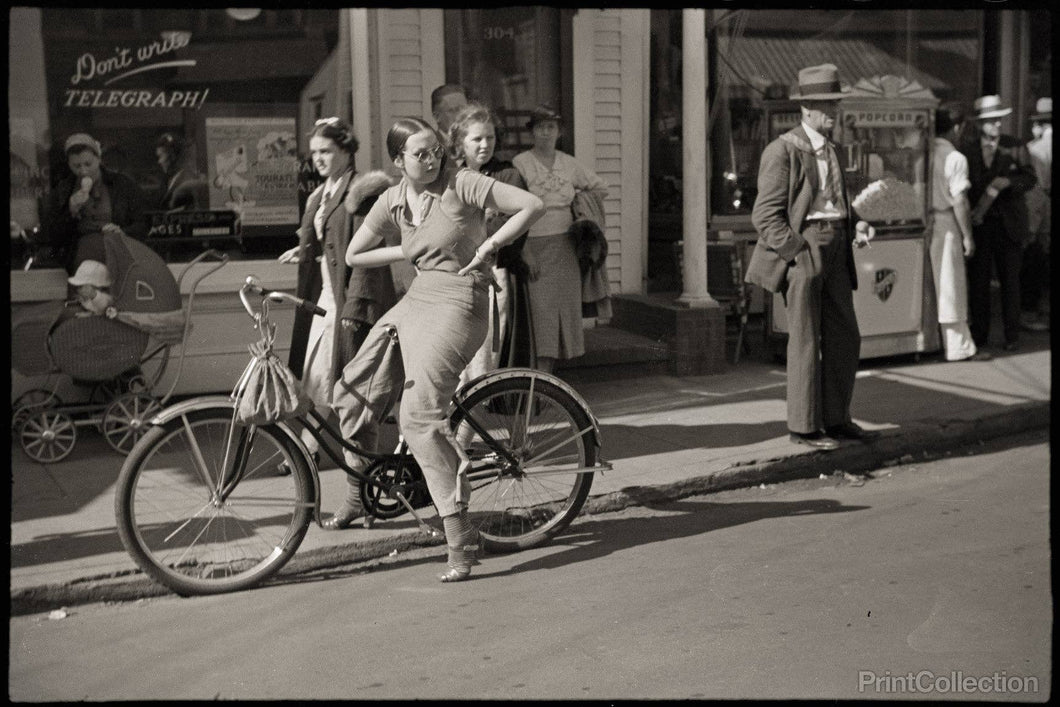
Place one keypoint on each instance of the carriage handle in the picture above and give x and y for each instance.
(253, 286)
(221, 260)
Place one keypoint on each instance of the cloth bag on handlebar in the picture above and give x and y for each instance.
(267, 391)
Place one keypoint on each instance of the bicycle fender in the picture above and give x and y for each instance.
(503, 373)
(224, 402)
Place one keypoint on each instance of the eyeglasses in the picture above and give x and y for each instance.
(428, 156)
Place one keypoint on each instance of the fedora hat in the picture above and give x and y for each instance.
(1043, 110)
(818, 83)
(91, 272)
(542, 113)
(987, 107)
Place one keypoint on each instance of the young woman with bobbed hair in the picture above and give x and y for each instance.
(439, 211)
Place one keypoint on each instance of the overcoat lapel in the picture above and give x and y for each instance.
(797, 137)
(337, 196)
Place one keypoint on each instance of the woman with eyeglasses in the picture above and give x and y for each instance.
(438, 211)
(555, 276)
(473, 137)
(354, 298)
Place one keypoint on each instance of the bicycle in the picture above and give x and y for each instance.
(202, 510)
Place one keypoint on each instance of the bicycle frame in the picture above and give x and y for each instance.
(320, 429)
(223, 402)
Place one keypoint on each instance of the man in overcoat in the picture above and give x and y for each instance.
(804, 251)
(1001, 173)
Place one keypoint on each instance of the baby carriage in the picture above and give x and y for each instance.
(120, 355)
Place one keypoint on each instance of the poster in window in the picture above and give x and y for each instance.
(253, 165)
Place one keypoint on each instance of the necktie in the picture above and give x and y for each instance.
(989, 146)
(318, 220)
(833, 189)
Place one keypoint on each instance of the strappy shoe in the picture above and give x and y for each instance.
(461, 558)
(344, 517)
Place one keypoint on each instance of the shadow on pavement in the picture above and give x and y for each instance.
(599, 536)
(593, 538)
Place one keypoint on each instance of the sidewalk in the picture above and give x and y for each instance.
(666, 437)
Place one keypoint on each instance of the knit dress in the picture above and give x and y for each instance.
(555, 295)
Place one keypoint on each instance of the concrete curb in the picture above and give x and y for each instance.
(924, 440)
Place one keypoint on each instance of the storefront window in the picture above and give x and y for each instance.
(212, 105)
(510, 58)
(755, 57)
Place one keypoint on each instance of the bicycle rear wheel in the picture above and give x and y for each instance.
(203, 508)
(516, 506)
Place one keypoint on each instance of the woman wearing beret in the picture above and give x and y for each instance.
(88, 203)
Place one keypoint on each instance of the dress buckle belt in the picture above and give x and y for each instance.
(828, 225)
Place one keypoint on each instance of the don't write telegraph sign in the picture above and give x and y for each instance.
(99, 80)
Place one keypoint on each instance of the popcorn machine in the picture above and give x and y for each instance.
(884, 134)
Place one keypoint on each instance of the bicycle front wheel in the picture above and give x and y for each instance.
(523, 500)
(206, 505)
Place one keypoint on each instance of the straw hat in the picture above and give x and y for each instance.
(1043, 110)
(988, 107)
(818, 83)
(91, 272)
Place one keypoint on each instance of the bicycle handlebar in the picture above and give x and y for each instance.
(253, 286)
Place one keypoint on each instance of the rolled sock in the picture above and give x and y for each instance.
(458, 531)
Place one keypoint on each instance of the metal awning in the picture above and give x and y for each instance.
(766, 61)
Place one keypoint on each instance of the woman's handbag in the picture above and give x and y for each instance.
(268, 392)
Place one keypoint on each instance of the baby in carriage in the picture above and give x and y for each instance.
(93, 282)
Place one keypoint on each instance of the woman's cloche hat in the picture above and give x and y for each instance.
(818, 83)
(1043, 110)
(988, 107)
(542, 113)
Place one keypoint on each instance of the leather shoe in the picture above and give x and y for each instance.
(851, 430)
(816, 440)
(345, 516)
(979, 356)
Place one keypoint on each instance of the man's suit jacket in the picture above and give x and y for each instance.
(787, 183)
(1011, 160)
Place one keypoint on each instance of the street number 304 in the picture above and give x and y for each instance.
(499, 33)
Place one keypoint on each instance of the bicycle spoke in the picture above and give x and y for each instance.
(196, 451)
(184, 532)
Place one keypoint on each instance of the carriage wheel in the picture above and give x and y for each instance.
(131, 381)
(28, 402)
(125, 420)
(48, 436)
(103, 393)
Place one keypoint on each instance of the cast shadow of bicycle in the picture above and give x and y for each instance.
(591, 538)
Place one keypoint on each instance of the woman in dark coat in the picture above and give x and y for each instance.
(89, 202)
(354, 298)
